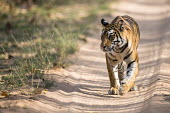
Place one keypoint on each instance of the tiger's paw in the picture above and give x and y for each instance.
(134, 88)
(113, 91)
(123, 89)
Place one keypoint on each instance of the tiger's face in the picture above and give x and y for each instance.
(113, 36)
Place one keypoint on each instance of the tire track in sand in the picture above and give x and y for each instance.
(83, 87)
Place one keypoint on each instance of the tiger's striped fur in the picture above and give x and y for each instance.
(120, 41)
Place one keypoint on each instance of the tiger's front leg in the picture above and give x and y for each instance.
(113, 76)
(128, 82)
(115, 88)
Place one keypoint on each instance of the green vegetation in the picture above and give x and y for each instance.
(35, 36)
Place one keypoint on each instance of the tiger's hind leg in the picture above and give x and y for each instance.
(129, 81)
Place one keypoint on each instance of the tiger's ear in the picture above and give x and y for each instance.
(121, 22)
(122, 25)
(104, 22)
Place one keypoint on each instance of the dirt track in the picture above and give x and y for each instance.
(83, 87)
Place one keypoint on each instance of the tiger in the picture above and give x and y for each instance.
(119, 42)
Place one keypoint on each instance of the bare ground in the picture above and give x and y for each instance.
(83, 86)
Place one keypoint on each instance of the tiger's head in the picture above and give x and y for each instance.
(114, 35)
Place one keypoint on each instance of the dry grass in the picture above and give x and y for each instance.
(42, 37)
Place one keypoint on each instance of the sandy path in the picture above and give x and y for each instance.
(83, 87)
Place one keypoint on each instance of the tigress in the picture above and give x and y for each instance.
(119, 41)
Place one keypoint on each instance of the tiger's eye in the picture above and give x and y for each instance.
(122, 28)
(110, 37)
(112, 27)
